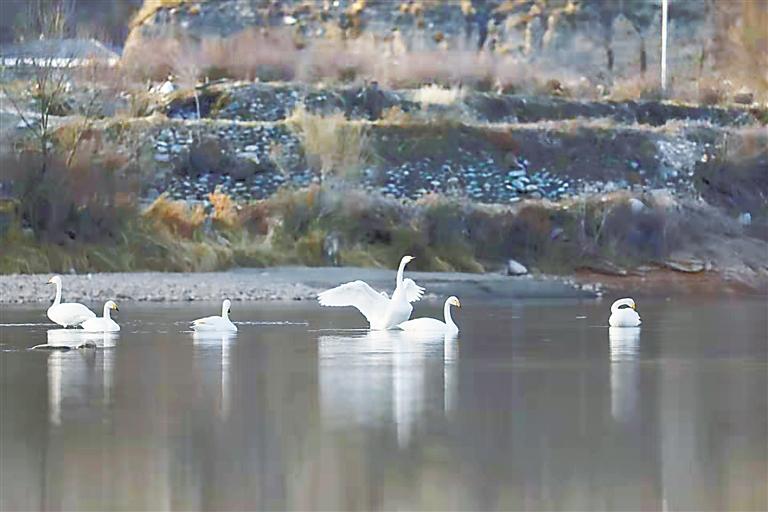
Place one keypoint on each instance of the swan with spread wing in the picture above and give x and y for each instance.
(381, 311)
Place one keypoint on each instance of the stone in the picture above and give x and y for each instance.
(689, 266)
(636, 205)
(515, 268)
(744, 97)
(745, 219)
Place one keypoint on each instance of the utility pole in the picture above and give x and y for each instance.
(664, 45)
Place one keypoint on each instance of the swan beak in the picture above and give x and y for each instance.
(458, 303)
(634, 306)
(115, 308)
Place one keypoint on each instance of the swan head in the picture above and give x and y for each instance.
(110, 304)
(622, 304)
(454, 301)
(406, 260)
(55, 280)
(226, 306)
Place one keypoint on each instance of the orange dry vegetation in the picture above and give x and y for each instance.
(224, 209)
(176, 216)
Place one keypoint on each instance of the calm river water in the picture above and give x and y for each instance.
(536, 405)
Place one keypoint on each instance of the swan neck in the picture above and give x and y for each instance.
(57, 300)
(224, 313)
(106, 312)
(400, 271)
(447, 314)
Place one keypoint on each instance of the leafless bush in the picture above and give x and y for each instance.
(83, 198)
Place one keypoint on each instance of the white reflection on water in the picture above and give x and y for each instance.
(379, 377)
(225, 341)
(73, 378)
(625, 345)
(450, 375)
(76, 338)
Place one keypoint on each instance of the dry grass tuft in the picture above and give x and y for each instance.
(177, 217)
(150, 7)
(436, 95)
(224, 209)
(333, 145)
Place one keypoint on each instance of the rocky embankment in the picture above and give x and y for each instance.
(490, 148)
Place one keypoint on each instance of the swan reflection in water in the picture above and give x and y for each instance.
(379, 377)
(205, 340)
(78, 377)
(625, 347)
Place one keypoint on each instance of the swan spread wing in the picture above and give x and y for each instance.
(358, 294)
(413, 292)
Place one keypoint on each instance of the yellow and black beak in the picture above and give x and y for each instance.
(458, 303)
(634, 306)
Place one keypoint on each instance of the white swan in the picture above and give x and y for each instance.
(69, 314)
(104, 323)
(380, 311)
(448, 327)
(623, 314)
(216, 323)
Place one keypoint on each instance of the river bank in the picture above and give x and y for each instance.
(296, 283)
(270, 284)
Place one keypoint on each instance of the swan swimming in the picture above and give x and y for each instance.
(448, 327)
(103, 323)
(381, 311)
(216, 323)
(623, 314)
(68, 314)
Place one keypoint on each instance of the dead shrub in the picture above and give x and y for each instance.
(87, 200)
(178, 217)
(224, 209)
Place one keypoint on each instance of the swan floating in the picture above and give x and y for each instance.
(381, 311)
(216, 323)
(104, 323)
(623, 314)
(447, 327)
(68, 314)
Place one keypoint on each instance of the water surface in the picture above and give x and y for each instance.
(537, 405)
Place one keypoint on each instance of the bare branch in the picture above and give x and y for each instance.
(30, 126)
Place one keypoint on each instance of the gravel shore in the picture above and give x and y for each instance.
(278, 283)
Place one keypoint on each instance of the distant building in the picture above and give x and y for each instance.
(58, 53)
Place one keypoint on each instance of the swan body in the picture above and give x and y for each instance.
(624, 314)
(103, 323)
(381, 311)
(216, 323)
(68, 314)
(448, 327)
